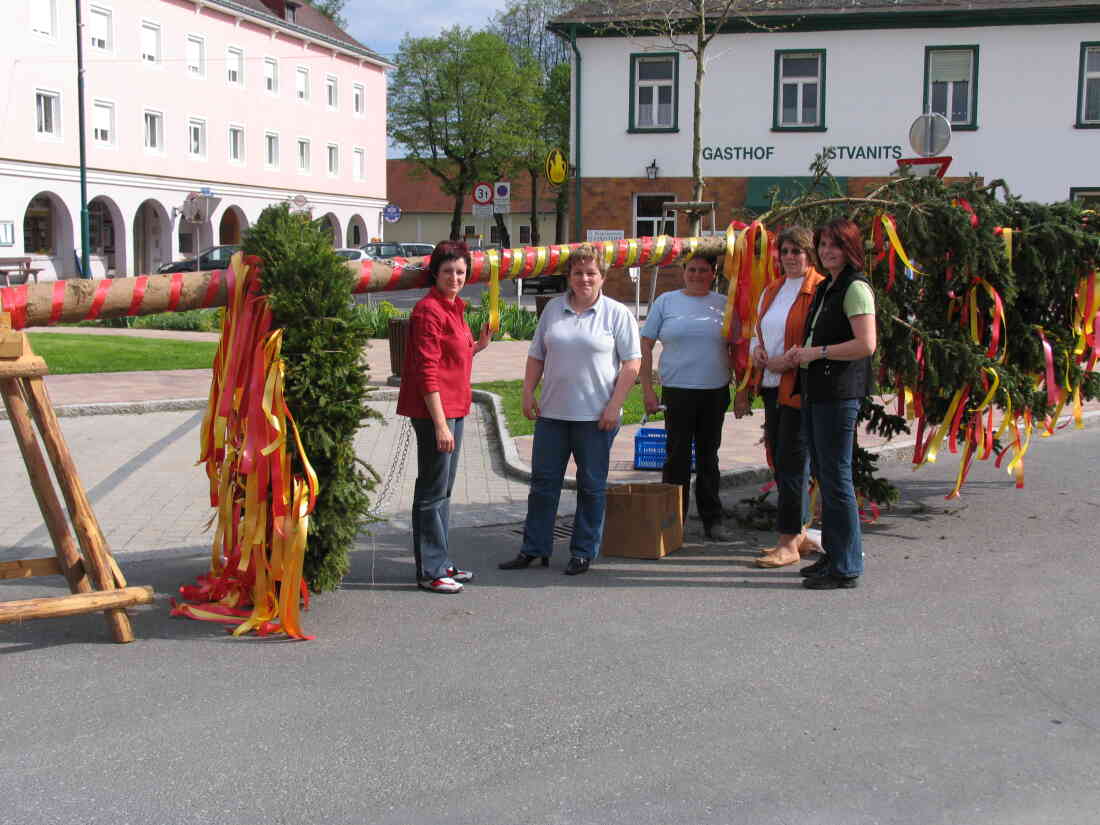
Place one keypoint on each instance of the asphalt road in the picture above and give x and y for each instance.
(956, 686)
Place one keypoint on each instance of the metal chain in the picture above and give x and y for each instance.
(397, 468)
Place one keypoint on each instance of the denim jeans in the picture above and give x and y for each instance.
(431, 510)
(555, 441)
(698, 415)
(829, 428)
(787, 447)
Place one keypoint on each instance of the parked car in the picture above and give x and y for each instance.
(353, 254)
(555, 283)
(396, 249)
(216, 257)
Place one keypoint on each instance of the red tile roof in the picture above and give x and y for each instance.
(416, 190)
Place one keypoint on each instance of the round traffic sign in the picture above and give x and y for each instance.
(391, 213)
(483, 193)
(930, 134)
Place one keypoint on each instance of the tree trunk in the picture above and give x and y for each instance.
(456, 215)
(502, 230)
(534, 207)
(697, 119)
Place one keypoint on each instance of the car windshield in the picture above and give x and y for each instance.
(383, 250)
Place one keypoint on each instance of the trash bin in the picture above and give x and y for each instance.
(540, 303)
(399, 338)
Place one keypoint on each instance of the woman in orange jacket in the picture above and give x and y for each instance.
(781, 321)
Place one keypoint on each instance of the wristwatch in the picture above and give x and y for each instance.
(824, 350)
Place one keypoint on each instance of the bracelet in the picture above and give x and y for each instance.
(824, 350)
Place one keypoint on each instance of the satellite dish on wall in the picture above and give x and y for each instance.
(930, 134)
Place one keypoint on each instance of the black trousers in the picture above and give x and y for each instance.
(698, 415)
(783, 431)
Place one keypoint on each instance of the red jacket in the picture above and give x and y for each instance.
(796, 322)
(438, 358)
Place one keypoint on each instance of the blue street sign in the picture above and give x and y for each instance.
(391, 213)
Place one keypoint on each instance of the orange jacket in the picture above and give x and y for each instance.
(796, 326)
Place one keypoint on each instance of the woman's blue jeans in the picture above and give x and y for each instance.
(555, 441)
(431, 509)
(829, 428)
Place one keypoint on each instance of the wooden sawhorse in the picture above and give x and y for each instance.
(94, 578)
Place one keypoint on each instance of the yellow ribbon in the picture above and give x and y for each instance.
(934, 448)
(493, 257)
(895, 242)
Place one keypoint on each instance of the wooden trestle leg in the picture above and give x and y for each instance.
(25, 396)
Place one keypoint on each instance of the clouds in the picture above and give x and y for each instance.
(381, 26)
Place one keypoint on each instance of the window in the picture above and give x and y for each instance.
(271, 75)
(331, 92)
(196, 137)
(236, 144)
(799, 91)
(150, 42)
(469, 230)
(271, 150)
(47, 113)
(357, 99)
(291, 13)
(649, 216)
(154, 131)
(1088, 197)
(654, 79)
(524, 233)
(951, 83)
(333, 159)
(234, 67)
(38, 227)
(355, 235)
(1088, 87)
(99, 28)
(44, 17)
(494, 234)
(103, 122)
(303, 155)
(196, 56)
(301, 83)
(357, 156)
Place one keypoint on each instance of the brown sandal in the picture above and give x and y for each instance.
(773, 560)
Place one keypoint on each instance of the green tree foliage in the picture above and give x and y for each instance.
(309, 290)
(523, 26)
(332, 9)
(949, 230)
(462, 108)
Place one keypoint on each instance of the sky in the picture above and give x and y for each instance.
(380, 25)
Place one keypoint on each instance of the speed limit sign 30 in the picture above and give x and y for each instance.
(483, 193)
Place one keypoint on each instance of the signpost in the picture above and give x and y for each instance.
(391, 213)
(502, 197)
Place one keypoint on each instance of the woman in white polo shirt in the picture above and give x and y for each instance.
(586, 355)
(695, 378)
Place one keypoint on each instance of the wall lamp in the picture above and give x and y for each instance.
(652, 170)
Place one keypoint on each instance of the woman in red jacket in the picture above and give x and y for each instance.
(435, 394)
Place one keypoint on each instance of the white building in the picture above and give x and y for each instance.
(786, 79)
(244, 103)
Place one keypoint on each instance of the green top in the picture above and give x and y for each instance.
(858, 300)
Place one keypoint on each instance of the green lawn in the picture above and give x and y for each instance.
(66, 354)
(511, 396)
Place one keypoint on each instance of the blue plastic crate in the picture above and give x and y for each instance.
(650, 449)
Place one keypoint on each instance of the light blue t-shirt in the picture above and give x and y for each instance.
(693, 354)
(581, 355)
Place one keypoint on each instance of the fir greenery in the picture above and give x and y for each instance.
(308, 288)
(950, 231)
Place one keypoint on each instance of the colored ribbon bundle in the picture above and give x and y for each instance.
(749, 266)
(262, 519)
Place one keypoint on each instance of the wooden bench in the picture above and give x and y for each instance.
(17, 270)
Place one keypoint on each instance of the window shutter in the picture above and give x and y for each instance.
(949, 66)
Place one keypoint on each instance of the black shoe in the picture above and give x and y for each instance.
(521, 561)
(577, 566)
(818, 568)
(831, 582)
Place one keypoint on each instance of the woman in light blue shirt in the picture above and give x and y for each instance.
(695, 375)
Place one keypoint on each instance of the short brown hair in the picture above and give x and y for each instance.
(799, 236)
(588, 252)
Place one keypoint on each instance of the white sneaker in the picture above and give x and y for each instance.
(460, 575)
(442, 585)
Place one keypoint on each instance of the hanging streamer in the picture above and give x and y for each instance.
(494, 290)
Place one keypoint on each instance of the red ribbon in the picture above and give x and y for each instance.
(57, 304)
(101, 290)
(14, 300)
(212, 288)
(140, 283)
(174, 291)
(1053, 392)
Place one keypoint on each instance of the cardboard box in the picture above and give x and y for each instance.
(643, 521)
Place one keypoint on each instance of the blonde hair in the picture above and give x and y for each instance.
(588, 252)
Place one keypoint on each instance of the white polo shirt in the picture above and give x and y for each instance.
(581, 355)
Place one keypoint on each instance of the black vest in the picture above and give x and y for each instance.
(826, 379)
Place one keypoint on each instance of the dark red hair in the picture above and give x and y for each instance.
(448, 251)
(844, 234)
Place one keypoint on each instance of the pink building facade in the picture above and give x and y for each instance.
(198, 115)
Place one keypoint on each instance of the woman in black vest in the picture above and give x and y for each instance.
(834, 379)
